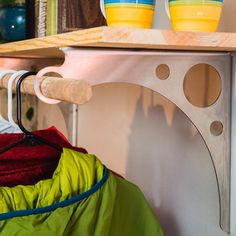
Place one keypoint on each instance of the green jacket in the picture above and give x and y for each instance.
(83, 198)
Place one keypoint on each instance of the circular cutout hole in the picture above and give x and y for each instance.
(216, 128)
(202, 85)
(162, 72)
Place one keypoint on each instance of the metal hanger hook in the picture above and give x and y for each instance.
(18, 94)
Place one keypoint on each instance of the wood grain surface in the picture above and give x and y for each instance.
(107, 37)
(67, 90)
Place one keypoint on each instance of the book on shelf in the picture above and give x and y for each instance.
(30, 18)
(52, 17)
(74, 15)
(41, 11)
(36, 18)
(48, 17)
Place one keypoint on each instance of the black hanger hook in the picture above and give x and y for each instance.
(18, 94)
(29, 138)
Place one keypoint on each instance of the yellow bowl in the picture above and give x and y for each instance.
(129, 16)
(195, 17)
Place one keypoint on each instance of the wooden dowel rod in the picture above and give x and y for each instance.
(67, 90)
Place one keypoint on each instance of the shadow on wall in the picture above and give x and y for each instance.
(227, 17)
(176, 175)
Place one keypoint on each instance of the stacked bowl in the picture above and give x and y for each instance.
(195, 15)
(129, 13)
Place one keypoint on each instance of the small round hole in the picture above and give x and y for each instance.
(216, 128)
(162, 72)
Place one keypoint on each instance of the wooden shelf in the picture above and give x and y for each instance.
(107, 37)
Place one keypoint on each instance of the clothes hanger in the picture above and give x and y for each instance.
(5, 125)
(2, 74)
(9, 94)
(29, 139)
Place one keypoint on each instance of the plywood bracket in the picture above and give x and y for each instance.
(97, 66)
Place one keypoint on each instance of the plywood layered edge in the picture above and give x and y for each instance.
(108, 37)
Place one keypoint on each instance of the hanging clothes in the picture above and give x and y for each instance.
(81, 198)
(24, 165)
(27, 165)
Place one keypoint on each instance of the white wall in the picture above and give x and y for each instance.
(227, 23)
(233, 153)
(148, 140)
